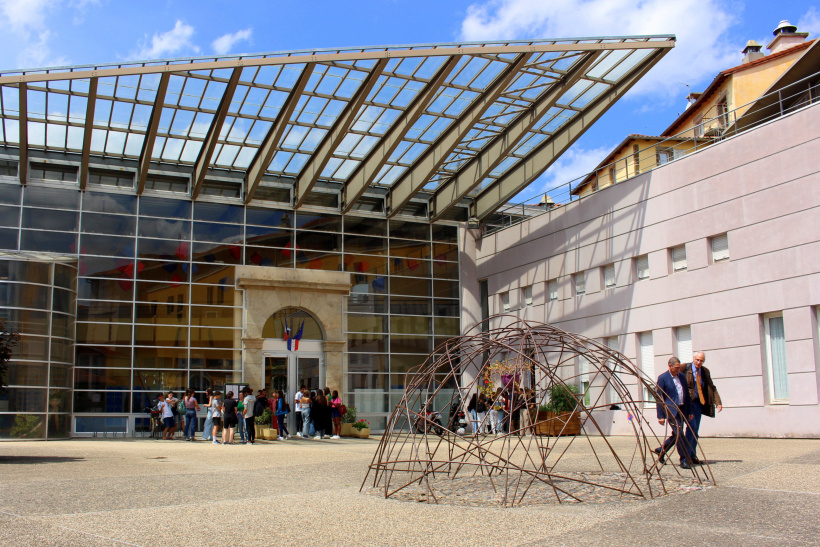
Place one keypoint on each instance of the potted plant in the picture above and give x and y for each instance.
(347, 422)
(559, 415)
(361, 429)
(263, 429)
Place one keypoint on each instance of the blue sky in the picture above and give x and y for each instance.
(710, 35)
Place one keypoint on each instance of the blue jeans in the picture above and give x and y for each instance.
(240, 429)
(306, 422)
(283, 429)
(693, 427)
(190, 423)
(208, 431)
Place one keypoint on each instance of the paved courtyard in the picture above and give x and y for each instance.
(150, 492)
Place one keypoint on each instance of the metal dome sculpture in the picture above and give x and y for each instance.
(424, 455)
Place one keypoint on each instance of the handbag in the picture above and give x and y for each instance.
(342, 410)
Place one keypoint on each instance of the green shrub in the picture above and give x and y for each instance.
(350, 415)
(265, 418)
(563, 398)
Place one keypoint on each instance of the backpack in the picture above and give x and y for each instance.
(259, 406)
(286, 409)
(180, 408)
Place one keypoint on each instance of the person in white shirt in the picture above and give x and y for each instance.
(167, 414)
(297, 408)
(249, 402)
(216, 414)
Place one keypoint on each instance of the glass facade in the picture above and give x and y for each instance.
(156, 305)
(38, 295)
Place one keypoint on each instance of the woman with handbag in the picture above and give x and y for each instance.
(336, 414)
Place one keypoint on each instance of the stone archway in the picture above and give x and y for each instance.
(322, 293)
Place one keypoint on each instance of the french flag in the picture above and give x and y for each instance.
(286, 335)
(298, 336)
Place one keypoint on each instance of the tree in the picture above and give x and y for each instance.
(8, 339)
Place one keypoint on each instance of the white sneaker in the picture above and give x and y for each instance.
(317, 438)
(335, 437)
(281, 438)
(215, 442)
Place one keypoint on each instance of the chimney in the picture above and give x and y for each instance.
(786, 36)
(752, 52)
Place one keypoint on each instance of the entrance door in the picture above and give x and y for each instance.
(289, 370)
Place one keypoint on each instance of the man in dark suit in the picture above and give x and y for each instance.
(675, 396)
(704, 397)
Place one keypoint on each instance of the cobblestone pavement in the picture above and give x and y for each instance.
(151, 492)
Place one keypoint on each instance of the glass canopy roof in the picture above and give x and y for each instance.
(440, 124)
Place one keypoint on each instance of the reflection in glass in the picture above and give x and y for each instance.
(100, 378)
(104, 333)
(107, 402)
(160, 358)
(107, 245)
(218, 212)
(50, 242)
(103, 356)
(164, 207)
(51, 198)
(104, 202)
(91, 310)
(100, 223)
(365, 226)
(50, 219)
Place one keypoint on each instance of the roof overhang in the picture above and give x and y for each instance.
(438, 125)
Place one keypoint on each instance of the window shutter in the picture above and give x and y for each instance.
(720, 248)
(505, 301)
(553, 289)
(580, 283)
(648, 363)
(684, 352)
(609, 276)
(679, 258)
(612, 343)
(528, 295)
(777, 352)
(642, 267)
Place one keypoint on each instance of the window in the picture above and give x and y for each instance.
(527, 295)
(612, 174)
(583, 365)
(642, 267)
(683, 344)
(720, 248)
(580, 283)
(776, 358)
(699, 126)
(43, 171)
(678, 255)
(552, 288)
(505, 301)
(609, 276)
(636, 158)
(723, 111)
(647, 354)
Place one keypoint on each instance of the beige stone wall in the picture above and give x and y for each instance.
(321, 293)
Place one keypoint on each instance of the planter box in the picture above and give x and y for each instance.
(270, 434)
(347, 430)
(553, 425)
(363, 434)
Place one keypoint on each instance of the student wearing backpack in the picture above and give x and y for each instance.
(282, 410)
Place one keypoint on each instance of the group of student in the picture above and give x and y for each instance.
(318, 413)
(503, 412)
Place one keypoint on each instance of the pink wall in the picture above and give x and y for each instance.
(762, 188)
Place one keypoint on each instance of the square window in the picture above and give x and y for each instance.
(642, 267)
(527, 293)
(678, 256)
(720, 248)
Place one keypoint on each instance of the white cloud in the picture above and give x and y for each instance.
(573, 164)
(225, 43)
(810, 22)
(700, 26)
(25, 15)
(27, 36)
(176, 40)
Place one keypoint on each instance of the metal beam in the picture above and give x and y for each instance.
(264, 154)
(537, 161)
(657, 41)
(318, 160)
(367, 170)
(474, 171)
(151, 133)
(22, 102)
(88, 130)
(425, 167)
(203, 160)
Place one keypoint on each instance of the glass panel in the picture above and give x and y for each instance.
(61, 375)
(106, 289)
(160, 358)
(315, 221)
(167, 293)
(27, 321)
(62, 350)
(50, 242)
(406, 305)
(448, 308)
(446, 325)
(269, 237)
(409, 230)
(100, 378)
(367, 342)
(63, 301)
(164, 208)
(10, 193)
(50, 219)
(218, 212)
(120, 268)
(175, 272)
(365, 226)
(410, 249)
(366, 401)
(445, 289)
(59, 426)
(367, 381)
(264, 256)
(26, 374)
(366, 362)
(365, 245)
(445, 270)
(51, 198)
(22, 399)
(269, 217)
(211, 337)
(219, 233)
(214, 359)
(443, 251)
(319, 261)
(216, 253)
(98, 223)
(8, 238)
(166, 313)
(409, 325)
(106, 202)
(65, 276)
(366, 303)
(108, 402)
(29, 272)
(318, 241)
(410, 286)
(22, 426)
(405, 363)
(365, 264)
(367, 323)
(156, 381)
(32, 348)
(448, 234)
(107, 245)
(103, 333)
(62, 325)
(213, 295)
(410, 267)
(16, 295)
(163, 249)
(104, 311)
(780, 372)
(10, 216)
(200, 380)
(103, 356)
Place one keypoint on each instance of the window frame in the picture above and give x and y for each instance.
(672, 252)
(638, 260)
(579, 281)
(719, 238)
(770, 372)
